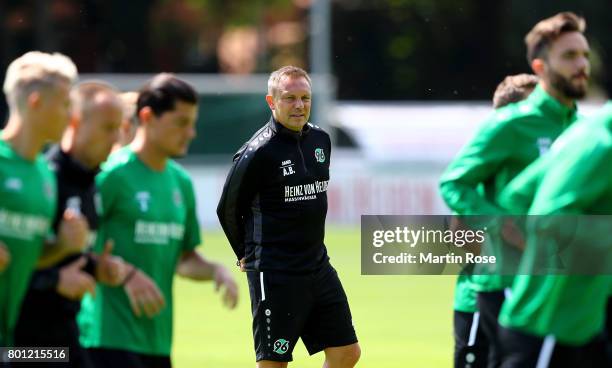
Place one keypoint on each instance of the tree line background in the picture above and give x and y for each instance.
(381, 49)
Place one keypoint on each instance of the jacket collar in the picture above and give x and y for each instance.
(73, 170)
(552, 107)
(278, 128)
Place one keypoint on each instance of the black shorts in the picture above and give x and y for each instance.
(489, 305)
(288, 306)
(608, 331)
(46, 331)
(522, 350)
(115, 358)
(471, 346)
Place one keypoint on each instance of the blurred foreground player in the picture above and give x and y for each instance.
(37, 86)
(149, 211)
(556, 318)
(48, 314)
(471, 346)
(507, 143)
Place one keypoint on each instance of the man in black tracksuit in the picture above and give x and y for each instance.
(49, 310)
(273, 210)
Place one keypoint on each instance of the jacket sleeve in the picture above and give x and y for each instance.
(238, 192)
(564, 226)
(518, 195)
(477, 162)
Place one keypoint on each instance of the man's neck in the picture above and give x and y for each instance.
(564, 100)
(68, 145)
(148, 154)
(290, 127)
(22, 138)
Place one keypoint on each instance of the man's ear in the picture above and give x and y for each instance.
(75, 120)
(270, 101)
(34, 99)
(538, 66)
(145, 115)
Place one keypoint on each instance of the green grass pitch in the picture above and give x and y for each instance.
(401, 321)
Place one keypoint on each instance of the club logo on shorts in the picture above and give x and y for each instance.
(281, 346)
(320, 155)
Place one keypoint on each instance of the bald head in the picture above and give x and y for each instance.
(129, 100)
(97, 115)
(129, 123)
(89, 96)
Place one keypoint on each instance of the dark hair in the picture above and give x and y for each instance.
(548, 30)
(162, 92)
(514, 88)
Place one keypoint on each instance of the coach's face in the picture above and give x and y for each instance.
(567, 67)
(173, 130)
(291, 105)
(98, 129)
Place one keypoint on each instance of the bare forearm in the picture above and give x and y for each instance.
(192, 265)
(52, 253)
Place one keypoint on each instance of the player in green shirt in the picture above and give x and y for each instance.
(37, 87)
(470, 345)
(148, 209)
(558, 319)
(508, 142)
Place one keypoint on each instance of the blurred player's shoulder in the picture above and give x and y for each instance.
(513, 116)
(517, 111)
(181, 173)
(595, 129)
(117, 159)
(5, 149)
(114, 168)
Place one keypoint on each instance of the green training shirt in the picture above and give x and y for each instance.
(504, 145)
(27, 207)
(465, 295)
(574, 179)
(151, 217)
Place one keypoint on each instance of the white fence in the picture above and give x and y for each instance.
(355, 189)
(403, 149)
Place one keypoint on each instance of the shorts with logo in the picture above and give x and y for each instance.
(289, 306)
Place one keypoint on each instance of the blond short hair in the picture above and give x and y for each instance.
(35, 71)
(286, 71)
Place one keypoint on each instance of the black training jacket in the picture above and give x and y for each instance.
(274, 201)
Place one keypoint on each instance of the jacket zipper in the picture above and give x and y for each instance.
(299, 147)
